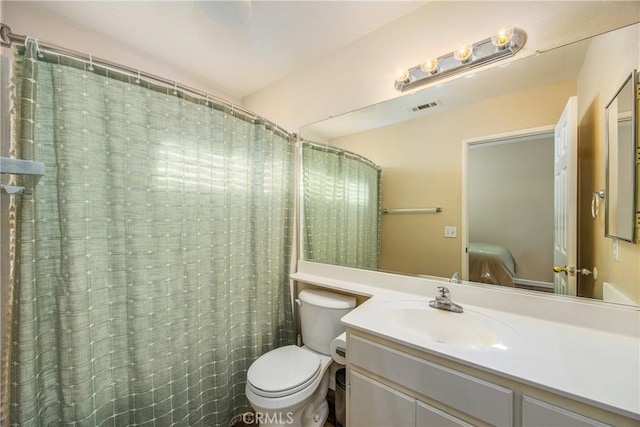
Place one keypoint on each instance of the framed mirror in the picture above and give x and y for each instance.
(622, 142)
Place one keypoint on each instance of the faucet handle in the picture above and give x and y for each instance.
(443, 292)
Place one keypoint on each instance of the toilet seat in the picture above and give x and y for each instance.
(283, 371)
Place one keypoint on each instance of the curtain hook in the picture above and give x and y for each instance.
(138, 78)
(175, 88)
(90, 68)
(206, 102)
(40, 55)
(26, 41)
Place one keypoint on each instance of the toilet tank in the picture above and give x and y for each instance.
(320, 314)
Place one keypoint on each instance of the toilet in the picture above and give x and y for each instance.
(288, 385)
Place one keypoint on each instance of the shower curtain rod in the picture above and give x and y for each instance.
(338, 150)
(8, 38)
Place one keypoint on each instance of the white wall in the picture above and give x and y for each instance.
(28, 18)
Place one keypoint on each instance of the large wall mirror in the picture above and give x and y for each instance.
(622, 137)
(467, 166)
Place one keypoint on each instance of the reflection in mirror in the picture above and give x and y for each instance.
(340, 207)
(417, 139)
(497, 206)
(620, 212)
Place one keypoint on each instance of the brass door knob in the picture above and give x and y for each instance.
(570, 271)
(558, 269)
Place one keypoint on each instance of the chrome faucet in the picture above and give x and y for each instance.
(443, 301)
(455, 278)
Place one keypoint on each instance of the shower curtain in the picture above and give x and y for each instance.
(341, 207)
(152, 259)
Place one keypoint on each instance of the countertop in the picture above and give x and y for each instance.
(596, 365)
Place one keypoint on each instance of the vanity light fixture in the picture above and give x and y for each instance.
(504, 44)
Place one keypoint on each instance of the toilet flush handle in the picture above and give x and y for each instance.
(299, 337)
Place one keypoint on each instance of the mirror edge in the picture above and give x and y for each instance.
(633, 77)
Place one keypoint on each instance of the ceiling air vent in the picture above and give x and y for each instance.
(425, 106)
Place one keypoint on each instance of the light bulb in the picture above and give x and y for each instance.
(502, 39)
(402, 76)
(463, 54)
(430, 66)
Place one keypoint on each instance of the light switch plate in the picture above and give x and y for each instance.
(615, 250)
(450, 232)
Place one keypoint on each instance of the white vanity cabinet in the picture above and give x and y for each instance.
(390, 385)
(417, 392)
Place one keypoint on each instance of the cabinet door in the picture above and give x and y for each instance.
(372, 404)
(480, 399)
(536, 413)
(428, 416)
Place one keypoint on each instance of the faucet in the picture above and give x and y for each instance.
(443, 301)
(455, 278)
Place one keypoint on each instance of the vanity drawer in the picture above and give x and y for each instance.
(480, 399)
(536, 413)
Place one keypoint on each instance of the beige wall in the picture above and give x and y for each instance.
(423, 168)
(608, 62)
(510, 194)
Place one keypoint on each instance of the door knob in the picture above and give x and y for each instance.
(571, 271)
(566, 270)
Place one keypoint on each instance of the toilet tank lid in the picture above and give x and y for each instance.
(326, 299)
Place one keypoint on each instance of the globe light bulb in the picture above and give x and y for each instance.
(463, 54)
(502, 39)
(402, 75)
(430, 66)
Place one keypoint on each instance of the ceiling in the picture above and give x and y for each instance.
(238, 46)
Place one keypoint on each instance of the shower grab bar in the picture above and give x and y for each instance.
(412, 210)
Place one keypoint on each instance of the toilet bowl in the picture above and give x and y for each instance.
(288, 385)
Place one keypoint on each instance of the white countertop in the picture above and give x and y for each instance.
(598, 364)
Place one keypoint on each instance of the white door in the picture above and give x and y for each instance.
(565, 245)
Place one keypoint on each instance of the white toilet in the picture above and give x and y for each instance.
(288, 385)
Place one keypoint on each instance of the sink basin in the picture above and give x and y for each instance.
(467, 329)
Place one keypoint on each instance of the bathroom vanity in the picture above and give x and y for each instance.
(414, 388)
(505, 361)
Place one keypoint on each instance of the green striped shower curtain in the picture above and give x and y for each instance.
(341, 207)
(152, 259)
